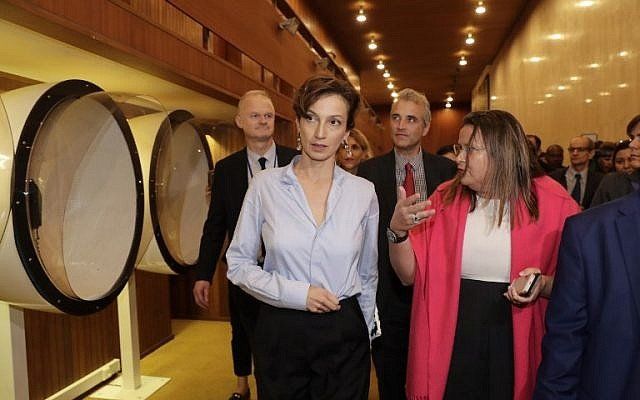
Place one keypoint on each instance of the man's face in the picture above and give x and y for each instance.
(554, 156)
(256, 117)
(635, 147)
(407, 125)
(579, 152)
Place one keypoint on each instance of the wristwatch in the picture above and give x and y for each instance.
(395, 238)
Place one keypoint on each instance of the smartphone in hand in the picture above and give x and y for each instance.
(530, 283)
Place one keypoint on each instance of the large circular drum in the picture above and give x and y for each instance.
(72, 215)
(176, 164)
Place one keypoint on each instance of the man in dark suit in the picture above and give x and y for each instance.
(592, 346)
(410, 166)
(577, 179)
(230, 182)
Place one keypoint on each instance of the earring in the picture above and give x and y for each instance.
(298, 143)
(347, 148)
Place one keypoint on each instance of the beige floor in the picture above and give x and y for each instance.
(198, 361)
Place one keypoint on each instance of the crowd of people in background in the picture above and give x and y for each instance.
(441, 268)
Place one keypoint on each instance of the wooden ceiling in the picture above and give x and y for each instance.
(420, 41)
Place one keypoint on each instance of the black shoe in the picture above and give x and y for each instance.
(238, 396)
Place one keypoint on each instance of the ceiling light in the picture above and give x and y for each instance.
(394, 94)
(462, 61)
(623, 85)
(574, 78)
(585, 3)
(594, 65)
(605, 93)
(448, 105)
(380, 65)
(534, 59)
(449, 99)
(386, 74)
(588, 101)
(494, 98)
(548, 95)
(563, 87)
(390, 85)
(623, 53)
(469, 40)
(361, 17)
(540, 102)
(555, 36)
(372, 44)
(481, 9)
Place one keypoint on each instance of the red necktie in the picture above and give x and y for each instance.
(409, 185)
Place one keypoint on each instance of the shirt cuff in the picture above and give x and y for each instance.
(295, 295)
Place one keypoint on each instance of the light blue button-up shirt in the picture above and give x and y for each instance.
(340, 255)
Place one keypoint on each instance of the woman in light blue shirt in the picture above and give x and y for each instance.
(319, 227)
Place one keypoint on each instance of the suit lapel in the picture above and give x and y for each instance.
(389, 185)
(240, 183)
(628, 227)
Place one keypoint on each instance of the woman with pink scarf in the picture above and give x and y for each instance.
(475, 249)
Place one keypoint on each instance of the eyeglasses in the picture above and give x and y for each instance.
(464, 148)
(578, 149)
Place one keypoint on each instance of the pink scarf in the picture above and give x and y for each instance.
(437, 246)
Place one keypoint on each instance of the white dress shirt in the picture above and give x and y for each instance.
(340, 255)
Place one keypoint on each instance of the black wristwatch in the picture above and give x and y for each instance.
(395, 238)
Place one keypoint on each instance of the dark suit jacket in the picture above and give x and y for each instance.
(393, 298)
(593, 181)
(592, 346)
(615, 185)
(230, 183)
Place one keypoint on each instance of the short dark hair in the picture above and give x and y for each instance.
(322, 85)
(445, 149)
(632, 124)
(621, 145)
(537, 140)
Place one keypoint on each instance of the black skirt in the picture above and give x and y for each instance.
(482, 359)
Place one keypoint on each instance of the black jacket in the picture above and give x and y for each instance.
(593, 181)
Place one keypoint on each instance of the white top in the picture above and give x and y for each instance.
(486, 250)
(340, 255)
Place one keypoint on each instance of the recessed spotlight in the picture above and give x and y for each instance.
(623, 85)
(469, 40)
(534, 59)
(563, 87)
(361, 17)
(540, 102)
(380, 65)
(555, 36)
(448, 105)
(372, 44)
(548, 95)
(494, 98)
(394, 94)
(585, 3)
(450, 99)
(605, 94)
(623, 53)
(386, 74)
(574, 78)
(390, 85)
(480, 8)
(588, 101)
(593, 65)
(462, 61)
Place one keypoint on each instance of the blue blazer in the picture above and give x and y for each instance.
(592, 346)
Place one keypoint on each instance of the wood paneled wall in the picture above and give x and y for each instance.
(62, 348)
(586, 77)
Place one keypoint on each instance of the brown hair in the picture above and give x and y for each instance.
(632, 124)
(362, 140)
(511, 169)
(319, 86)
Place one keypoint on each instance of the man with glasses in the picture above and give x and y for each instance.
(256, 118)
(577, 179)
(407, 165)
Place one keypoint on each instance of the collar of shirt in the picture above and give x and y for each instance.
(289, 177)
(571, 175)
(253, 158)
(401, 161)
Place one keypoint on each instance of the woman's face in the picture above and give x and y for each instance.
(350, 163)
(324, 128)
(623, 161)
(473, 161)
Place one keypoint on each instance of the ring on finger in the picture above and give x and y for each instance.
(415, 217)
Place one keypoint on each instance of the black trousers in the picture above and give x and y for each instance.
(308, 356)
(390, 352)
(482, 360)
(243, 310)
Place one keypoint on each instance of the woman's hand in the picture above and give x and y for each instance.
(539, 288)
(320, 300)
(409, 212)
